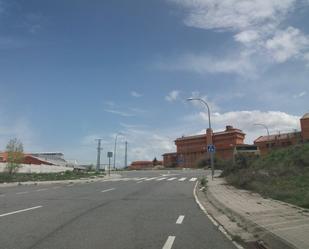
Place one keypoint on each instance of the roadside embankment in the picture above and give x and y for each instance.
(279, 225)
(282, 175)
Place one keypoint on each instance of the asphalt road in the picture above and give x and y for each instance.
(147, 209)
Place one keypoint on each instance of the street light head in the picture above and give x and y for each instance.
(190, 99)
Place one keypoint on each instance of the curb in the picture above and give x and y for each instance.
(271, 239)
(213, 220)
(14, 184)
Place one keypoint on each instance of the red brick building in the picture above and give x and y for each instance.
(27, 159)
(267, 143)
(304, 124)
(141, 165)
(193, 148)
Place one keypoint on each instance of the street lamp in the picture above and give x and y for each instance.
(115, 148)
(265, 126)
(210, 130)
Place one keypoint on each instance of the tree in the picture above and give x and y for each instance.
(155, 162)
(15, 155)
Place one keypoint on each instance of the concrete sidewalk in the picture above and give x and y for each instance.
(279, 224)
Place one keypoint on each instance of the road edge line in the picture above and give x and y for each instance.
(213, 220)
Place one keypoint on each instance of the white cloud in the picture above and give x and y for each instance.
(301, 94)
(234, 14)
(120, 113)
(136, 94)
(286, 44)
(21, 129)
(172, 96)
(258, 30)
(275, 121)
(238, 63)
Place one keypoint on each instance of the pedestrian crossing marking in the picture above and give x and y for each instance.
(161, 179)
(172, 179)
(149, 179)
(144, 179)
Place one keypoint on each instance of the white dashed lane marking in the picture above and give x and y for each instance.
(182, 179)
(169, 243)
(180, 219)
(107, 190)
(193, 179)
(42, 189)
(22, 193)
(20, 211)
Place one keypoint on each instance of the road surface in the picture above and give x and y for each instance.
(142, 210)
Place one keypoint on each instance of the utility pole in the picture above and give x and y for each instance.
(115, 148)
(126, 155)
(99, 149)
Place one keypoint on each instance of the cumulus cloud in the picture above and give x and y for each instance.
(275, 121)
(172, 96)
(258, 30)
(136, 94)
(286, 44)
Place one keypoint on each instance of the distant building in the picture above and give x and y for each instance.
(27, 159)
(141, 165)
(304, 123)
(281, 140)
(55, 158)
(49, 158)
(191, 149)
(170, 160)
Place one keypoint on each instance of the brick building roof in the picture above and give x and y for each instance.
(277, 137)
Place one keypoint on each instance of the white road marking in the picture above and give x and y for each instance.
(140, 179)
(182, 179)
(160, 179)
(169, 243)
(152, 178)
(22, 193)
(107, 190)
(20, 211)
(193, 179)
(140, 182)
(180, 219)
(42, 189)
(172, 179)
(125, 179)
(221, 229)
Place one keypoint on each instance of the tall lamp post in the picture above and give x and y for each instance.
(265, 126)
(115, 148)
(210, 132)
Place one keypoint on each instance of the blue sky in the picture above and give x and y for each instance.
(75, 70)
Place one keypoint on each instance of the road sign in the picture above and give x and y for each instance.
(109, 154)
(211, 148)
